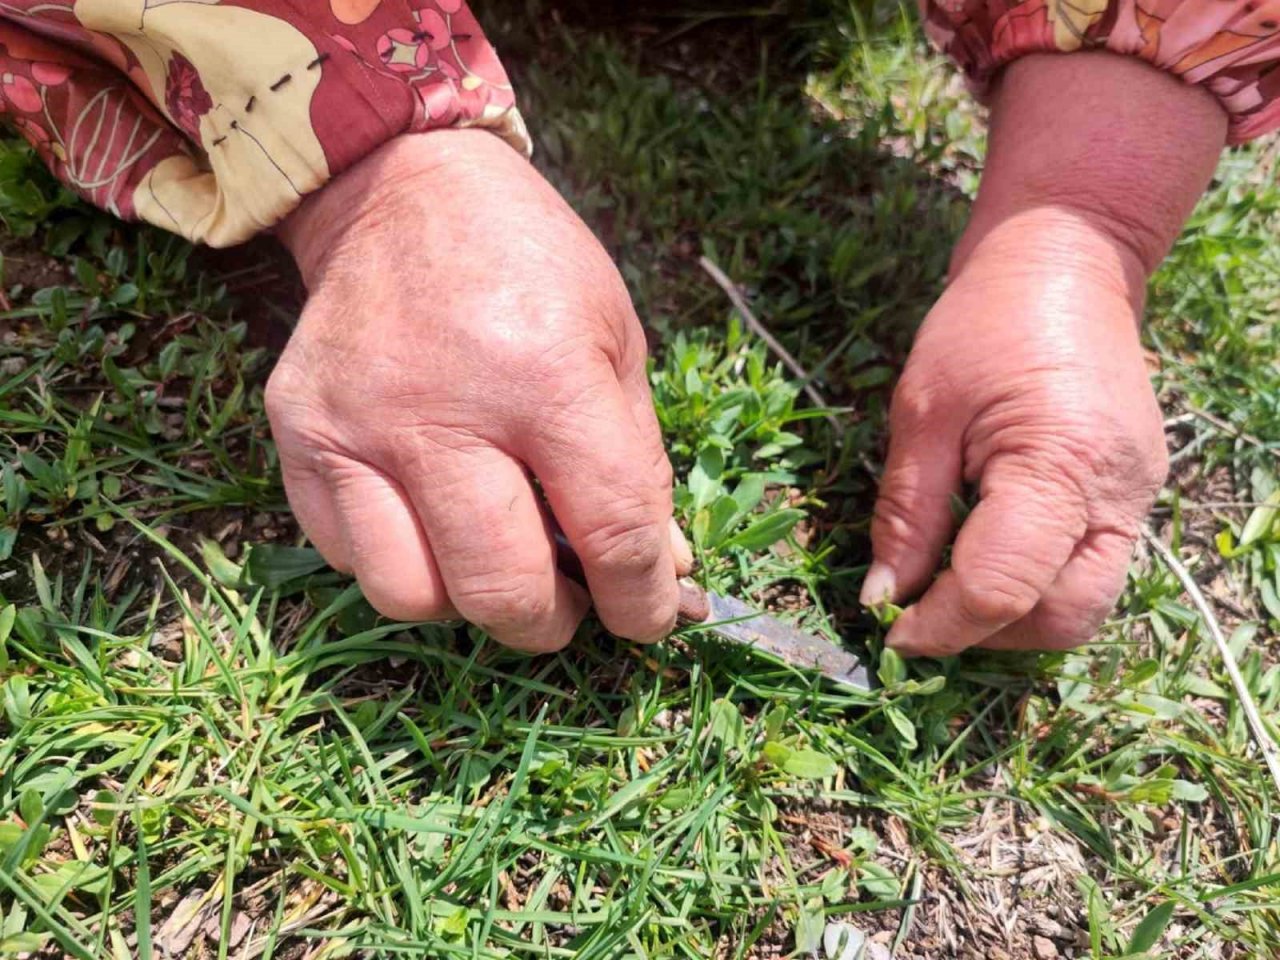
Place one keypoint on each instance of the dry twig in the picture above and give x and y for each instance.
(760, 330)
(1261, 736)
(1231, 430)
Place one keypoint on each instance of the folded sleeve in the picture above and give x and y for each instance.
(213, 118)
(1231, 47)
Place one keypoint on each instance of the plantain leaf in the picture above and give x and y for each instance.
(767, 531)
(1261, 520)
(273, 566)
(809, 765)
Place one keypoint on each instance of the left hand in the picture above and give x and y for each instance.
(1028, 377)
(1028, 380)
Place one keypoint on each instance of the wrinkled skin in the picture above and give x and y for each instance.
(465, 333)
(1027, 378)
(1032, 386)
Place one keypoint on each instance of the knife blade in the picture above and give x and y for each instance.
(733, 621)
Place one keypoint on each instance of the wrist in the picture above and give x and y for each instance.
(1098, 150)
(1057, 247)
(361, 202)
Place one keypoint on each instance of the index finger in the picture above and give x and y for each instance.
(612, 498)
(1006, 556)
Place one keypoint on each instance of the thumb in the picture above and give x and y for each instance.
(913, 519)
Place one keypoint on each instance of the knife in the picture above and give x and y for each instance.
(733, 621)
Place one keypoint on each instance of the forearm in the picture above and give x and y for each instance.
(1095, 161)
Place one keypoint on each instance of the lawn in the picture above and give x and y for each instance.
(211, 746)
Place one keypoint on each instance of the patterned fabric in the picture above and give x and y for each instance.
(213, 118)
(1232, 47)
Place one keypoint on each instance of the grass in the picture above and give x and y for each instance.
(210, 746)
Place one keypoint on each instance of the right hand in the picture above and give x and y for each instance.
(466, 334)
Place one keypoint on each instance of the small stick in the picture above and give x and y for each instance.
(1232, 430)
(761, 331)
(1187, 505)
(1260, 734)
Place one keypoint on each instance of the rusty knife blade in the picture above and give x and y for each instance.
(735, 622)
(732, 620)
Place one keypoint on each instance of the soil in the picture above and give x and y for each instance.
(1020, 901)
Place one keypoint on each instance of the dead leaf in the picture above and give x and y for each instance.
(182, 925)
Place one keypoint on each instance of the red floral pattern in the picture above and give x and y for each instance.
(385, 67)
(20, 92)
(376, 68)
(1232, 49)
(185, 96)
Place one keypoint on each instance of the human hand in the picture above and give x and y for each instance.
(465, 334)
(1027, 378)
(1028, 381)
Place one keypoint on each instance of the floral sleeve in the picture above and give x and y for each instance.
(213, 118)
(1232, 47)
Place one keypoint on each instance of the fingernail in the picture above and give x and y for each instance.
(695, 607)
(681, 550)
(880, 585)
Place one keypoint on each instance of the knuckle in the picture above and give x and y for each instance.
(1047, 470)
(664, 474)
(914, 405)
(630, 546)
(1153, 467)
(1108, 451)
(894, 525)
(280, 392)
(989, 595)
(510, 603)
(1122, 477)
(643, 622)
(543, 351)
(1046, 487)
(404, 601)
(297, 412)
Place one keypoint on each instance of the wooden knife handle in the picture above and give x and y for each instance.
(695, 605)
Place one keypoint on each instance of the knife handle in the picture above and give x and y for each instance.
(695, 605)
